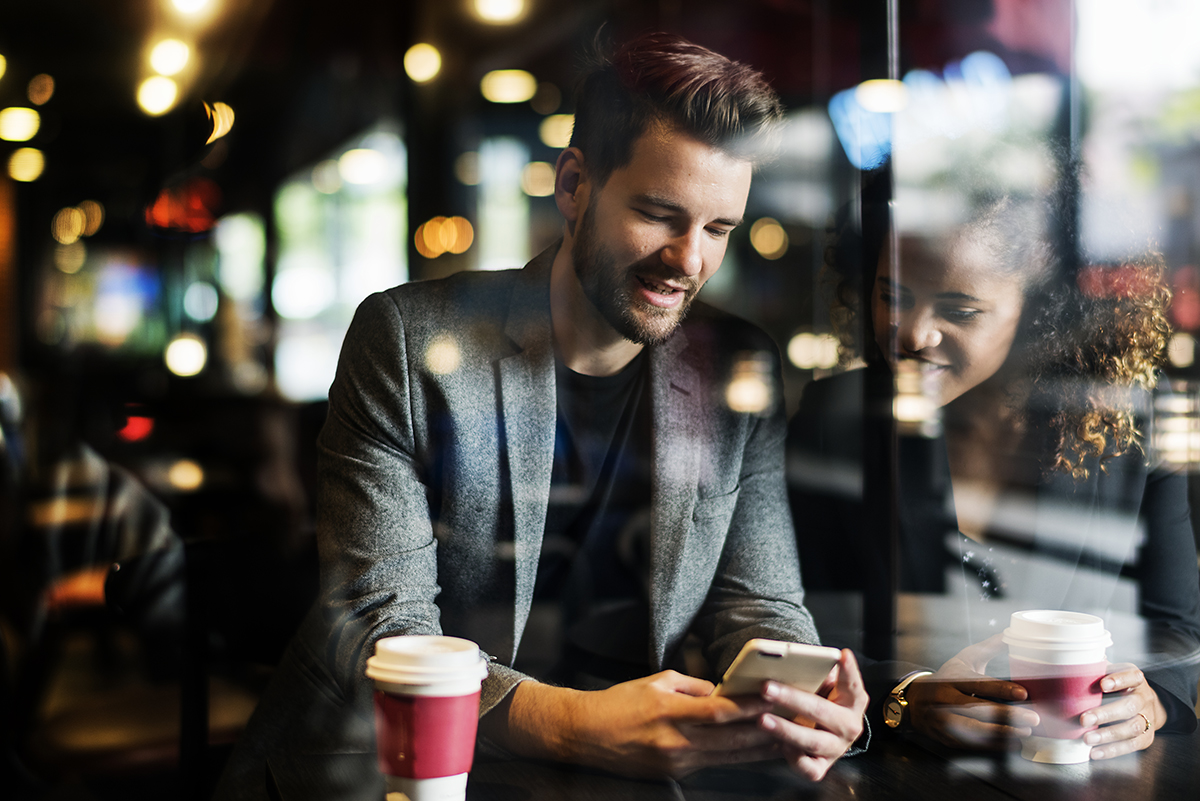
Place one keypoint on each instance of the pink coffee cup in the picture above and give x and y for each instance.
(1058, 657)
(426, 713)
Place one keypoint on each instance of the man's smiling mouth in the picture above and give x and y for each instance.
(654, 286)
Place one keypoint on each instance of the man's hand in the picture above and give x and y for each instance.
(962, 707)
(665, 724)
(822, 725)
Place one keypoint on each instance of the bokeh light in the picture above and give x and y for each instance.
(749, 390)
(362, 166)
(1181, 349)
(26, 164)
(68, 225)
(40, 89)
(190, 6)
(813, 351)
(200, 301)
(169, 57)
(70, 258)
(537, 179)
(185, 475)
(444, 235)
(302, 291)
(19, 124)
(422, 62)
(882, 96)
(93, 213)
(555, 130)
(443, 356)
(221, 117)
(3, 65)
(499, 12)
(186, 355)
(157, 95)
(768, 238)
(508, 86)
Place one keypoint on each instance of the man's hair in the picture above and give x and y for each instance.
(661, 78)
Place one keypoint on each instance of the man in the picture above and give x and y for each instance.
(477, 420)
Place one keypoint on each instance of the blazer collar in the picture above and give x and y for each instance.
(528, 409)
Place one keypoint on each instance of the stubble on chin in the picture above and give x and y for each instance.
(610, 289)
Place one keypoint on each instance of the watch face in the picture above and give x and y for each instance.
(893, 712)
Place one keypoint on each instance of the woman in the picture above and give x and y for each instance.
(1037, 482)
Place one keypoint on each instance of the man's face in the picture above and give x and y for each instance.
(648, 240)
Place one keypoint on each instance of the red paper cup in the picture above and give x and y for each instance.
(426, 714)
(1058, 657)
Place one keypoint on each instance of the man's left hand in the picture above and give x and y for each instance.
(824, 724)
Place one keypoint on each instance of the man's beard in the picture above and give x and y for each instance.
(607, 286)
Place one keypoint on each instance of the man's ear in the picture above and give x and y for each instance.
(570, 184)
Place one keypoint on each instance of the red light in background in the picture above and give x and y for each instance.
(191, 207)
(136, 428)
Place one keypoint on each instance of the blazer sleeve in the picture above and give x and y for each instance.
(1169, 590)
(378, 553)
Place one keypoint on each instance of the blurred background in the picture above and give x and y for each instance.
(196, 194)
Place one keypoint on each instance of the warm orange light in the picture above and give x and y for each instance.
(40, 89)
(444, 235)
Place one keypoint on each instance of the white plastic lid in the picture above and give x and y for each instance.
(426, 659)
(1056, 630)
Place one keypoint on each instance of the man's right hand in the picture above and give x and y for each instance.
(962, 707)
(665, 724)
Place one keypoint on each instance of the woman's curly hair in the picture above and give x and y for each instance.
(1089, 333)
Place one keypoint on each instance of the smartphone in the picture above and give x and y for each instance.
(801, 666)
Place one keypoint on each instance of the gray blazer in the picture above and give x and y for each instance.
(435, 466)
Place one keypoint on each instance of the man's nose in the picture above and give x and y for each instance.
(684, 252)
(915, 332)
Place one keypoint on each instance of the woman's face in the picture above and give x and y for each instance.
(951, 308)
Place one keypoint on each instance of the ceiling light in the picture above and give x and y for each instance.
(26, 164)
(508, 86)
(422, 62)
(499, 11)
(157, 95)
(19, 124)
(169, 56)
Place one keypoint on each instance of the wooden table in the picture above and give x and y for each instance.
(895, 770)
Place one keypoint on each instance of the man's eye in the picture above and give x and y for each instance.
(719, 233)
(658, 218)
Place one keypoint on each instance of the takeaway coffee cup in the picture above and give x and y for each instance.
(1058, 657)
(426, 714)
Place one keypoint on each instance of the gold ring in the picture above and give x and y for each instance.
(1143, 717)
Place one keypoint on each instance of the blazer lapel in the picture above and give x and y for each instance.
(677, 413)
(528, 409)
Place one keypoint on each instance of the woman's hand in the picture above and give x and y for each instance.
(1128, 721)
(961, 707)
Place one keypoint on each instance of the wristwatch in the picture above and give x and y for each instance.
(895, 708)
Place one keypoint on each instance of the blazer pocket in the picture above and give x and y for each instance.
(718, 507)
